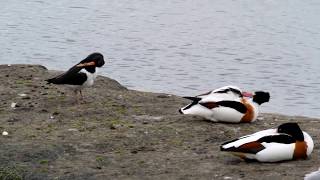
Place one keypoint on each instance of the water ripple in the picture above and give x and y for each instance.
(180, 47)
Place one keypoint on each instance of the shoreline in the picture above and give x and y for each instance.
(179, 95)
(123, 134)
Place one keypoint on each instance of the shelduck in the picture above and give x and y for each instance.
(287, 142)
(227, 104)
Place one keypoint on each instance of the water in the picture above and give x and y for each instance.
(183, 47)
(313, 175)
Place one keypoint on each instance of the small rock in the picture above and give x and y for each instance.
(164, 95)
(51, 117)
(22, 95)
(13, 105)
(114, 126)
(5, 133)
(260, 118)
(26, 97)
(44, 110)
(73, 129)
(9, 65)
(12, 120)
(227, 177)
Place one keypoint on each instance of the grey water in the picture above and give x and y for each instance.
(182, 47)
(313, 175)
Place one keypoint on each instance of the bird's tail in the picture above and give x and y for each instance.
(195, 100)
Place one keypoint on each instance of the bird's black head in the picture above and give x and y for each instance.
(261, 97)
(292, 129)
(97, 58)
(93, 60)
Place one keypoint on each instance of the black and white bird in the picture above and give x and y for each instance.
(80, 75)
(287, 142)
(227, 104)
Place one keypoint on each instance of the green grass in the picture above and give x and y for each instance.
(114, 123)
(10, 173)
(102, 161)
(23, 82)
(44, 162)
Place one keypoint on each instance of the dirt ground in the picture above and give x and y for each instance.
(116, 133)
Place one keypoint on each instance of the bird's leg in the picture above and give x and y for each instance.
(76, 94)
(81, 94)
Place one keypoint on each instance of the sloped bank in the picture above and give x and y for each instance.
(121, 134)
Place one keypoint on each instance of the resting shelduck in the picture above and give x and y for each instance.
(287, 142)
(227, 104)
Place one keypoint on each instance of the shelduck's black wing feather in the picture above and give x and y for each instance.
(256, 146)
(281, 138)
(195, 100)
(238, 106)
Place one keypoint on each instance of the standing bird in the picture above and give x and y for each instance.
(80, 75)
(227, 104)
(287, 142)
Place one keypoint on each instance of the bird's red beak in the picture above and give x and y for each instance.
(92, 63)
(247, 94)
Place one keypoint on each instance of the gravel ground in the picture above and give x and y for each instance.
(116, 133)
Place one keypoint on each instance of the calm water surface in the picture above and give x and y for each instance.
(313, 175)
(182, 47)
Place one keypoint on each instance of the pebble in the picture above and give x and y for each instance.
(13, 105)
(22, 95)
(114, 126)
(164, 95)
(260, 118)
(5, 133)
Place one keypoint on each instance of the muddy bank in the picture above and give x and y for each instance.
(122, 134)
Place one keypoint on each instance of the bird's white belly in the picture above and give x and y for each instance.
(90, 78)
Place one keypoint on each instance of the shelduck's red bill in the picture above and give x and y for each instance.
(247, 94)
